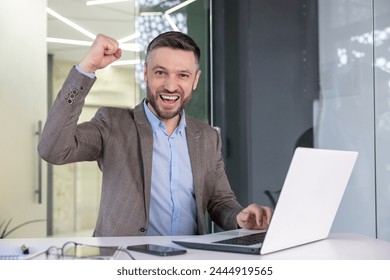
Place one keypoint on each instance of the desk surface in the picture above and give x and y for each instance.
(335, 247)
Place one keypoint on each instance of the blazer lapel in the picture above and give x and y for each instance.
(146, 143)
(194, 138)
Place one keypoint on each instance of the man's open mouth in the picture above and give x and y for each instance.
(169, 98)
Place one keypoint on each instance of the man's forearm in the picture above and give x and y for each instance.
(62, 119)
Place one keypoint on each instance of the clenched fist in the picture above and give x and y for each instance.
(103, 52)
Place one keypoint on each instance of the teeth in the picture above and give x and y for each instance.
(169, 97)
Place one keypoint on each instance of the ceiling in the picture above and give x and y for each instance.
(116, 20)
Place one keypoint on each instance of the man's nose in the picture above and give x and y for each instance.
(171, 84)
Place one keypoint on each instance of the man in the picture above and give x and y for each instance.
(161, 169)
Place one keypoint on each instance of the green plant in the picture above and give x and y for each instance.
(5, 224)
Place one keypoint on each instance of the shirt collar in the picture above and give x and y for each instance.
(155, 122)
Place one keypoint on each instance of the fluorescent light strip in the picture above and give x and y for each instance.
(68, 41)
(125, 47)
(146, 14)
(173, 25)
(126, 62)
(101, 2)
(179, 6)
(130, 47)
(168, 12)
(130, 37)
(70, 23)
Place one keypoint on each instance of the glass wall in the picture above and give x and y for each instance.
(191, 17)
(353, 110)
(287, 67)
(74, 189)
(381, 35)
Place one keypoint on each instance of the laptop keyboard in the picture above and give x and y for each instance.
(245, 240)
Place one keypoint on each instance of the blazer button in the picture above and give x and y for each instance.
(142, 230)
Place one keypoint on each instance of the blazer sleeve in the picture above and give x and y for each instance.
(62, 140)
(223, 206)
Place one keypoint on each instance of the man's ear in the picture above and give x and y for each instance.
(145, 72)
(197, 76)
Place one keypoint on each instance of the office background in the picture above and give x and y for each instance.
(276, 74)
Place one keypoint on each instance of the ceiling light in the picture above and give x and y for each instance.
(126, 62)
(146, 14)
(179, 6)
(100, 2)
(130, 47)
(171, 22)
(168, 12)
(68, 41)
(125, 47)
(70, 23)
(130, 37)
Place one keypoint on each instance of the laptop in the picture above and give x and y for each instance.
(307, 205)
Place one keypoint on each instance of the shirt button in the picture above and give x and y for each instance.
(142, 230)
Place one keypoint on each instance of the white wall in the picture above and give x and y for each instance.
(23, 81)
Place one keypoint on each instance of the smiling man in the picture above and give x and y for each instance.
(171, 75)
(162, 170)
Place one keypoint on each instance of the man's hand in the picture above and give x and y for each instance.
(254, 217)
(103, 52)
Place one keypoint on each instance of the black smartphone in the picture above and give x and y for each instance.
(156, 250)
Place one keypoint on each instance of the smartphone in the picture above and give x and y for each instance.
(156, 250)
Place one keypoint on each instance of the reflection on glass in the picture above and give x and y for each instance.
(354, 109)
(155, 17)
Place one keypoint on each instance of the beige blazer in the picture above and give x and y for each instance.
(121, 142)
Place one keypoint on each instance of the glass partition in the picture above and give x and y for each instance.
(381, 35)
(285, 68)
(345, 111)
(353, 111)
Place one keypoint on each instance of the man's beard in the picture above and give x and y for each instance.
(165, 115)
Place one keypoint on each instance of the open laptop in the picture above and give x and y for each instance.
(307, 205)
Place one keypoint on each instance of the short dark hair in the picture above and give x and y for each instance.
(174, 40)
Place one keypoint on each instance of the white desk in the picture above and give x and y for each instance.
(336, 247)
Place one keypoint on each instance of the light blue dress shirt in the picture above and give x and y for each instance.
(172, 201)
